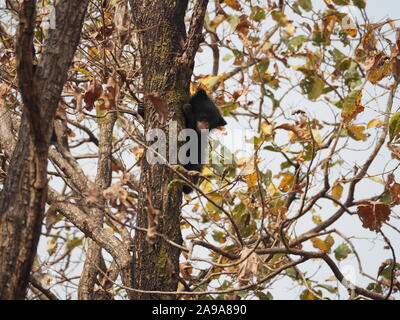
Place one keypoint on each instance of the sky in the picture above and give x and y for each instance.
(372, 253)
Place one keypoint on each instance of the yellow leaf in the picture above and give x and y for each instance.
(329, 241)
(290, 29)
(378, 67)
(272, 189)
(217, 21)
(320, 244)
(337, 191)
(206, 186)
(349, 26)
(247, 165)
(352, 106)
(266, 129)
(376, 179)
(93, 51)
(357, 132)
(234, 4)
(317, 137)
(251, 179)
(324, 245)
(209, 81)
(138, 152)
(375, 123)
(87, 73)
(286, 182)
(279, 211)
(206, 171)
(317, 219)
(279, 17)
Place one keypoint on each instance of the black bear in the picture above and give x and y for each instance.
(200, 113)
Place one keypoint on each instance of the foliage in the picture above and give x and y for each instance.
(313, 83)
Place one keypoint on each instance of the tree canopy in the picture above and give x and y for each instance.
(303, 190)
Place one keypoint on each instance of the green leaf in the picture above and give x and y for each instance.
(233, 21)
(313, 87)
(394, 125)
(101, 113)
(341, 2)
(227, 57)
(305, 4)
(387, 272)
(74, 243)
(342, 251)
(360, 3)
(279, 17)
(296, 43)
(308, 295)
(257, 14)
(386, 198)
(219, 236)
(262, 66)
(331, 289)
(226, 109)
(264, 296)
(376, 287)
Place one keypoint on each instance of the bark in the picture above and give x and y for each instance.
(23, 198)
(167, 59)
(103, 180)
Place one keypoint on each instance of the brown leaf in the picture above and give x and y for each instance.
(217, 21)
(244, 26)
(117, 194)
(92, 93)
(51, 218)
(396, 68)
(395, 193)
(373, 214)
(249, 267)
(352, 106)
(159, 104)
(234, 4)
(395, 151)
(186, 269)
(369, 41)
(383, 265)
(299, 132)
(61, 113)
(153, 218)
(3, 90)
(378, 67)
(328, 24)
(323, 245)
(110, 95)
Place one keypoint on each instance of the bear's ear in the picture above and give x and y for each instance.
(221, 122)
(187, 108)
(201, 93)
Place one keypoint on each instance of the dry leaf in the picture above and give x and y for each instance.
(92, 93)
(373, 214)
(186, 269)
(323, 245)
(249, 267)
(395, 193)
(51, 218)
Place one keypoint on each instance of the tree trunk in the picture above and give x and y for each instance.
(167, 55)
(22, 201)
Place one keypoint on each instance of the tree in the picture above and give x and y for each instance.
(296, 200)
(23, 196)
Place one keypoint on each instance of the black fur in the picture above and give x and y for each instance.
(200, 113)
